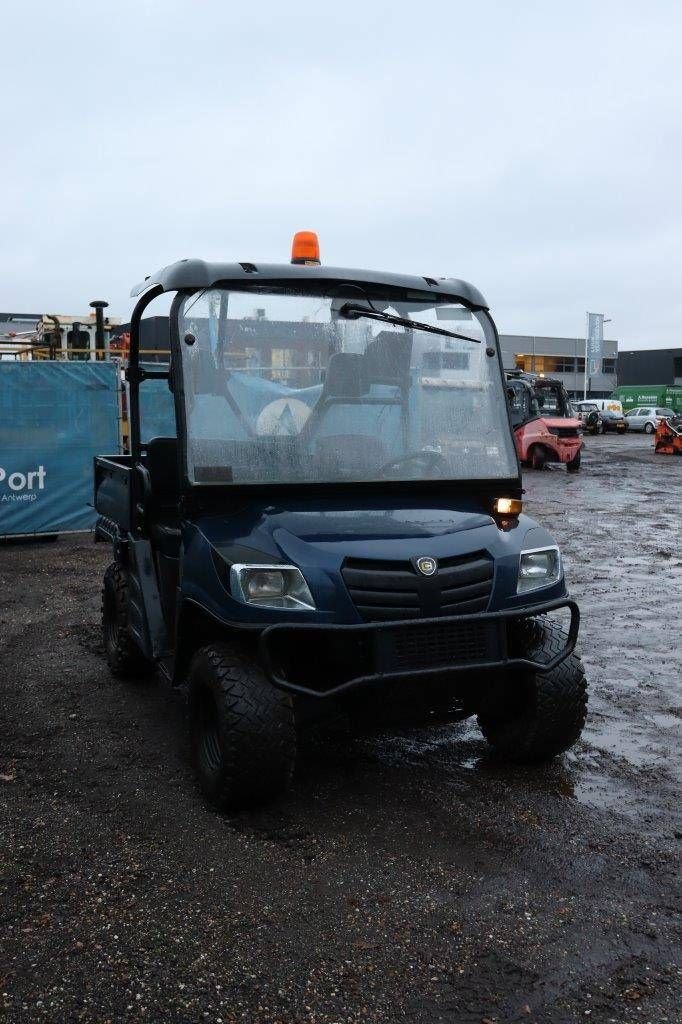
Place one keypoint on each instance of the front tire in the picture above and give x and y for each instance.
(552, 709)
(123, 655)
(538, 457)
(574, 465)
(243, 735)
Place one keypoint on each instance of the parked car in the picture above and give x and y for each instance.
(590, 417)
(647, 418)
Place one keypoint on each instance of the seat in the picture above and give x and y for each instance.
(161, 461)
(387, 359)
(344, 377)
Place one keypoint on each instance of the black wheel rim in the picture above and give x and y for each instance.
(209, 744)
(109, 623)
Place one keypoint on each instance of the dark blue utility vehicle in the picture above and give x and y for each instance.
(336, 526)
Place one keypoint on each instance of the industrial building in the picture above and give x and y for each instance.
(650, 366)
(563, 358)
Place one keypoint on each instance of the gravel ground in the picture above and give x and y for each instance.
(407, 877)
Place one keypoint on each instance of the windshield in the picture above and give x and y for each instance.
(550, 402)
(283, 387)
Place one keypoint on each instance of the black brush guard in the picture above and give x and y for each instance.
(374, 652)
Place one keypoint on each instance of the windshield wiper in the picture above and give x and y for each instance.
(352, 312)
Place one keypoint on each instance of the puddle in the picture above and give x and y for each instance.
(605, 771)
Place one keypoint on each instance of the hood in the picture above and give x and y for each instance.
(561, 421)
(335, 534)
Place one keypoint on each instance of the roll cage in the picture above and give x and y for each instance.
(191, 276)
(527, 393)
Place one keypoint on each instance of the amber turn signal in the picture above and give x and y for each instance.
(508, 506)
(305, 248)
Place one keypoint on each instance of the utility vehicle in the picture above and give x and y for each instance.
(337, 527)
(545, 427)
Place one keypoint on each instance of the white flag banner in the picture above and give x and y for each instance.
(595, 342)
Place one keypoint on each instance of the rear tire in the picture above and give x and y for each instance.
(538, 457)
(649, 428)
(243, 735)
(123, 655)
(574, 465)
(553, 705)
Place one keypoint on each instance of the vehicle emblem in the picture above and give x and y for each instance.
(427, 566)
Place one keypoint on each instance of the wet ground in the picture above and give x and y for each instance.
(407, 877)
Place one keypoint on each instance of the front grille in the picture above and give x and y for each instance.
(395, 590)
(564, 431)
(432, 646)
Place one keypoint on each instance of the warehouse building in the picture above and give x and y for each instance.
(563, 358)
(650, 366)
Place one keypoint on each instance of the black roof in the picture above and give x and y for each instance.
(537, 379)
(199, 274)
(20, 317)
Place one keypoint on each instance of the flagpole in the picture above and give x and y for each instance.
(587, 331)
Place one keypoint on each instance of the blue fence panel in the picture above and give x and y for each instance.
(54, 418)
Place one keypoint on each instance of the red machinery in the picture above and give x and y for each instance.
(669, 436)
(545, 429)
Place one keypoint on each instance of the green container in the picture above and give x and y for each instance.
(632, 396)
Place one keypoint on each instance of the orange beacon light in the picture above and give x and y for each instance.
(305, 248)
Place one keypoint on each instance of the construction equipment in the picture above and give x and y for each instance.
(545, 428)
(669, 437)
(87, 338)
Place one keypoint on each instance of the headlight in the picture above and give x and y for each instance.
(508, 506)
(539, 567)
(271, 586)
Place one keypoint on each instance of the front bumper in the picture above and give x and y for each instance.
(344, 657)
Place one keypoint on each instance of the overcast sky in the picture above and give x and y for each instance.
(532, 148)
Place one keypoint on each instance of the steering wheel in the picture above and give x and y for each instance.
(431, 461)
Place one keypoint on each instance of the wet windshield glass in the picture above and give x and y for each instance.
(283, 388)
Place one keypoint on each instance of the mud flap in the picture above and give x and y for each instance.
(146, 620)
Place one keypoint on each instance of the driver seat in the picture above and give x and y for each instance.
(161, 461)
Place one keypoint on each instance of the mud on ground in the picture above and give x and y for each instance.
(407, 877)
